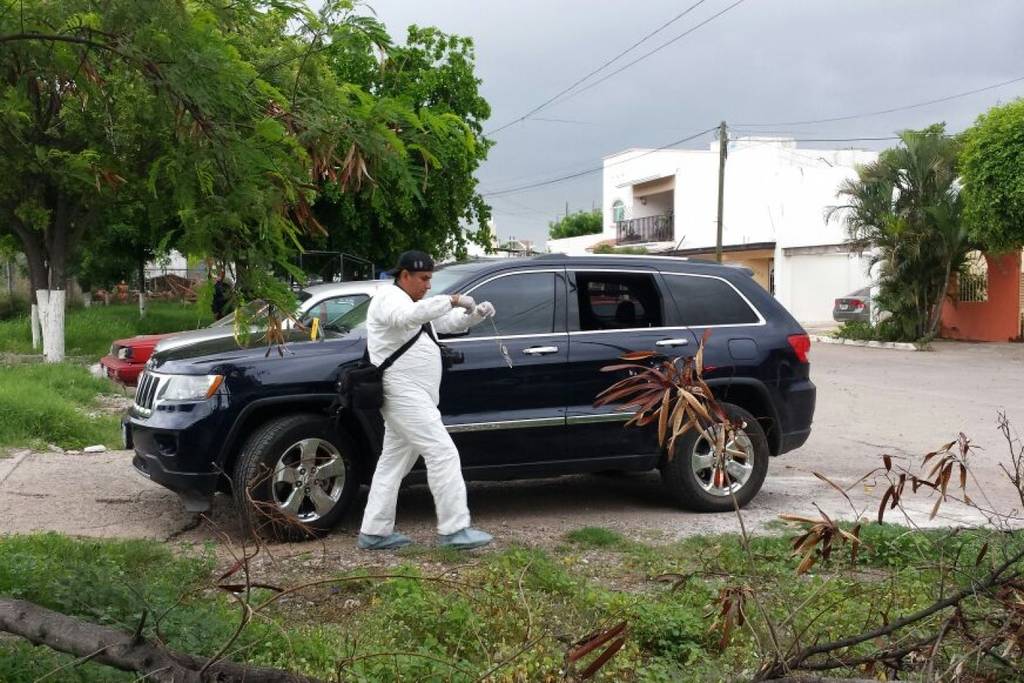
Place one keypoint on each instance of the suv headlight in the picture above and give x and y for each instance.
(189, 387)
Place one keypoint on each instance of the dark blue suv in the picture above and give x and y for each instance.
(257, 422)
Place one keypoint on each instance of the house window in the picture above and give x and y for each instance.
(972, 280)
(618, 211)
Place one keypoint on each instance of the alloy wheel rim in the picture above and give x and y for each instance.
(724, 475)
(308, 479)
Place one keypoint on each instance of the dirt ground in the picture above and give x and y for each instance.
(870, 401)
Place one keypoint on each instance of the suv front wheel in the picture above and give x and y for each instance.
(294, 478)
(695, 480)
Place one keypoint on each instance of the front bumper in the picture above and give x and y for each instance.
(122, 371)
(178, 447)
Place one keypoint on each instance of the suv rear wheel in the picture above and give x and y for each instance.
(693, 479)
(294, 478)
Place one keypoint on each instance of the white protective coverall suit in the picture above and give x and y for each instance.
(412, 421)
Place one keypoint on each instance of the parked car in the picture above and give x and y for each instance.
(213, 418)
(855, 306)
(128, 357)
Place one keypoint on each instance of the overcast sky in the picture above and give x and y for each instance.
(761, 61)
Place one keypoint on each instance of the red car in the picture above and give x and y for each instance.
(128, 357)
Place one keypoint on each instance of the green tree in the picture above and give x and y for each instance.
(576, 225)
(905, 209)
(992, 167)
(215, 123)
(436, 207)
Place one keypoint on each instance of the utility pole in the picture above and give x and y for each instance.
(723, 151)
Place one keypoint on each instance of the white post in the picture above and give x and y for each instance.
(87, 299)
(55, 332)
(42, 301)
(142, 304)
(37, 334)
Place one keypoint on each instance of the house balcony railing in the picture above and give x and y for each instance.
(646, 229)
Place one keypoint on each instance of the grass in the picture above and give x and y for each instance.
(595, 537)
(413, 629)
(56, 403)
(89, 331)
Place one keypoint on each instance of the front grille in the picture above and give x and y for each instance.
(146, 392)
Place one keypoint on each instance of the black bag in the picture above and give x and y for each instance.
(361, 387)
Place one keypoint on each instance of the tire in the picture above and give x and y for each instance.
(693, 488)
(299, 504)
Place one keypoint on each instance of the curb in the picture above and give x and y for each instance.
(895, 346)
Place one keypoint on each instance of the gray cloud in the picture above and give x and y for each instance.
(764, 61)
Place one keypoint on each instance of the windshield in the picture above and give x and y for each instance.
(253, 310)
(354, 319)
(446, 277)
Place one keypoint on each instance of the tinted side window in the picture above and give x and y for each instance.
(708, 301)
(330, 310)
(616, 301)
(524, 304)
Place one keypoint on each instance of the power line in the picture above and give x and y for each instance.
(886, 111)
(552, 181)
(648, 54)
(600, 68)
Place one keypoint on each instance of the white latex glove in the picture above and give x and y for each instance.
(485, 309)
(464, 301)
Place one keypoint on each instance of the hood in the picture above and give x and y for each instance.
(180, 339)
(223, 354)
(140, 340)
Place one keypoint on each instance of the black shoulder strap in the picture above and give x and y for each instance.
(402, 349)
(429, 329)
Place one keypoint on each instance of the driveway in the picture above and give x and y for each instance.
(870, 401)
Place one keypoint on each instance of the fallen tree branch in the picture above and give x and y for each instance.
(799, 660)
(121, 650)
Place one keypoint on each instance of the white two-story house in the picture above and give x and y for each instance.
(776, 198)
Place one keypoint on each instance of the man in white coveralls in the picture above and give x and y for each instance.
(412, 421)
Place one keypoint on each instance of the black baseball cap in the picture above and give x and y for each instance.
(414, 262)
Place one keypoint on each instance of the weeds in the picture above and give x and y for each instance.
(44, 404)
(411, 627)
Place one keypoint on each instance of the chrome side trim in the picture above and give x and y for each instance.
(460, 340)
(600, 418)
(531, 423)
(577, 333)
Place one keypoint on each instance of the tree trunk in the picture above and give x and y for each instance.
(142, 304)
(33, 250)
(53, 332)
(933, 324)
(51, 319)
(123, 651)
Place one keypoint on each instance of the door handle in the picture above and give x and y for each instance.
(540, 350)
(672, 342)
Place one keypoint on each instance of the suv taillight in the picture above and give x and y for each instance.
(801, 344)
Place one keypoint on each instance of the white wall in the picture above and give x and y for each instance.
(808, 284)
(774, 191)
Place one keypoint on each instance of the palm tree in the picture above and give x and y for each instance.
(905, 209)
